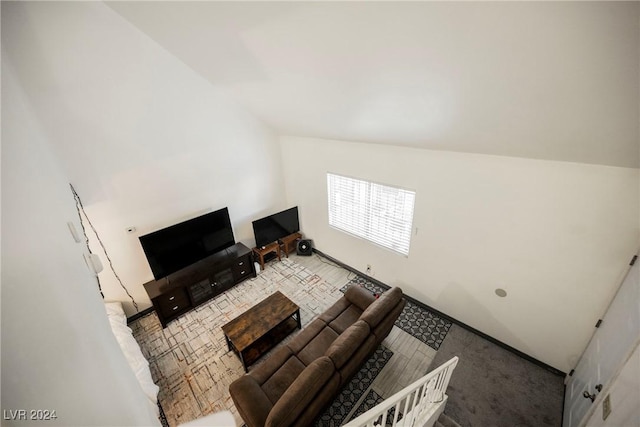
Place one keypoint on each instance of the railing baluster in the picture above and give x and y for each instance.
(414, 404)
(406, 409)
(395, 416)
(419, 396)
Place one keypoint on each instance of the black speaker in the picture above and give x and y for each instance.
(305, 247)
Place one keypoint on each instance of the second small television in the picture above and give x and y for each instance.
(273, 227)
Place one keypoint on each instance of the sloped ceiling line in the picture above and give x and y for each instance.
(556, 81)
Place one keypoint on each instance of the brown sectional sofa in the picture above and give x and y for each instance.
(300, 378)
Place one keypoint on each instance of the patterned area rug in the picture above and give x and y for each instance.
(414, 319)
(342, 405)
(189, 359)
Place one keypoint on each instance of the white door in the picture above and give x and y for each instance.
(624, 398)
(610, 346)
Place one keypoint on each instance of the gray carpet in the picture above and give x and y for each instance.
(494, 387)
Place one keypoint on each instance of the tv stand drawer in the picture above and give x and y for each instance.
(173, 297)
(173, 301)
(200, 282)
(242, 267)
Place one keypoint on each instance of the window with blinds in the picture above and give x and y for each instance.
(379, 213)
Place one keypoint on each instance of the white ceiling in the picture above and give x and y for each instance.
(550, 80)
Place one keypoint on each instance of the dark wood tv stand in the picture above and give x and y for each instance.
(185, 289)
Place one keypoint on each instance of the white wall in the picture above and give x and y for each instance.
(145, 140)
(555, 235)
(58, 352)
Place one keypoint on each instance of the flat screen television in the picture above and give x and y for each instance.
(178, 246)
(273, 227)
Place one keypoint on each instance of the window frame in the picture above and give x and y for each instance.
(374, 197)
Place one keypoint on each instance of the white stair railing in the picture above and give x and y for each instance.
(418, 404)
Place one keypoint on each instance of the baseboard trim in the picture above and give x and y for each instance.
(140, 314)
(449, 318)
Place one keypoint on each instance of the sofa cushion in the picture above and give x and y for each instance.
(269, 366)
(335, 310)
(347, 343)
(301, 392)
(345, 319)
(305, 336)
(317, 346)
(347, 309)
(377, 311)
(280, 381)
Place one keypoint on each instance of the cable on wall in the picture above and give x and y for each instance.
(81, 212)
(76, 198)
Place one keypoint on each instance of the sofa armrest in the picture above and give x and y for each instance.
(379, 311)
(301, 393)
(359, 296)
(250, 400)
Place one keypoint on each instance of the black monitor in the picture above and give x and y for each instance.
(273, 227)
(178, 246)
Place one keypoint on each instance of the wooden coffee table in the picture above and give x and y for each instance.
(260, 328)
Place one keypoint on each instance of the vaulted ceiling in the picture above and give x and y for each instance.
(549, 80)
(544, 80)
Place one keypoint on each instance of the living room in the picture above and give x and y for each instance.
(523, 156)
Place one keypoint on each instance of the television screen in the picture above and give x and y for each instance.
(271, 228)
(173, 248)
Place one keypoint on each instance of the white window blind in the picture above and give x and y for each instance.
(379, 213)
